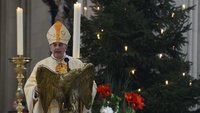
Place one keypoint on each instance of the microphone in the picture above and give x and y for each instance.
(67, 61)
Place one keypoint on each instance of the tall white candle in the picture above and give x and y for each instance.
(76, 30)
(19, 31)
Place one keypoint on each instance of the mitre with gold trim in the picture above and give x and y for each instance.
(58, 33)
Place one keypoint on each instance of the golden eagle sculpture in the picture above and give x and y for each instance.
(52, 85)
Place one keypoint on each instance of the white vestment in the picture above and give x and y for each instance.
(31, 85)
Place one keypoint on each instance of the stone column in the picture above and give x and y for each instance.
(8, 49)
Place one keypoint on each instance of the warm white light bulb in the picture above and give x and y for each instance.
(161, 31)
(183, 6)
(139, 90)
(160, 55)
(190, 84)
(166, 82)
(173, 47)
(85, 8)
(98, 36)
(183, 74)
(133, 71)
(126, 48)
(98, 8)
(173, 14)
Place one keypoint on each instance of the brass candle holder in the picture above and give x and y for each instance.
(19, 62)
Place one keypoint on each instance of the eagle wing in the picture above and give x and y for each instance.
(80, 80)
(48, 86)
(85, 84)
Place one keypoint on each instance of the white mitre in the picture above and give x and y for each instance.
(58, 33)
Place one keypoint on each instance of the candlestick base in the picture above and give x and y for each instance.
(19, 62)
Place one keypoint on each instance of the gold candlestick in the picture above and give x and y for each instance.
(19, 62)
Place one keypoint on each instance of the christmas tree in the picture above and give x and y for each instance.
(136, 45)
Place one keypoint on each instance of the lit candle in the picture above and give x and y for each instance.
(76, 30)
(19, 31)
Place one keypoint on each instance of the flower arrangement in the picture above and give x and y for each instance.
(111, 103)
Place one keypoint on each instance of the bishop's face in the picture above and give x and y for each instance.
(58, 49)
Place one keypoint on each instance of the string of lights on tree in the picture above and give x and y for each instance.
(137, 46)
(161, 34)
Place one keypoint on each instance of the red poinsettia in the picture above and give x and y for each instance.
(134, 99)
(104, 90)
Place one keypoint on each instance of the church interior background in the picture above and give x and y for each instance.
(36, 24)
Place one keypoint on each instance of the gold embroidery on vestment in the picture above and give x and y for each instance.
(61, 68)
